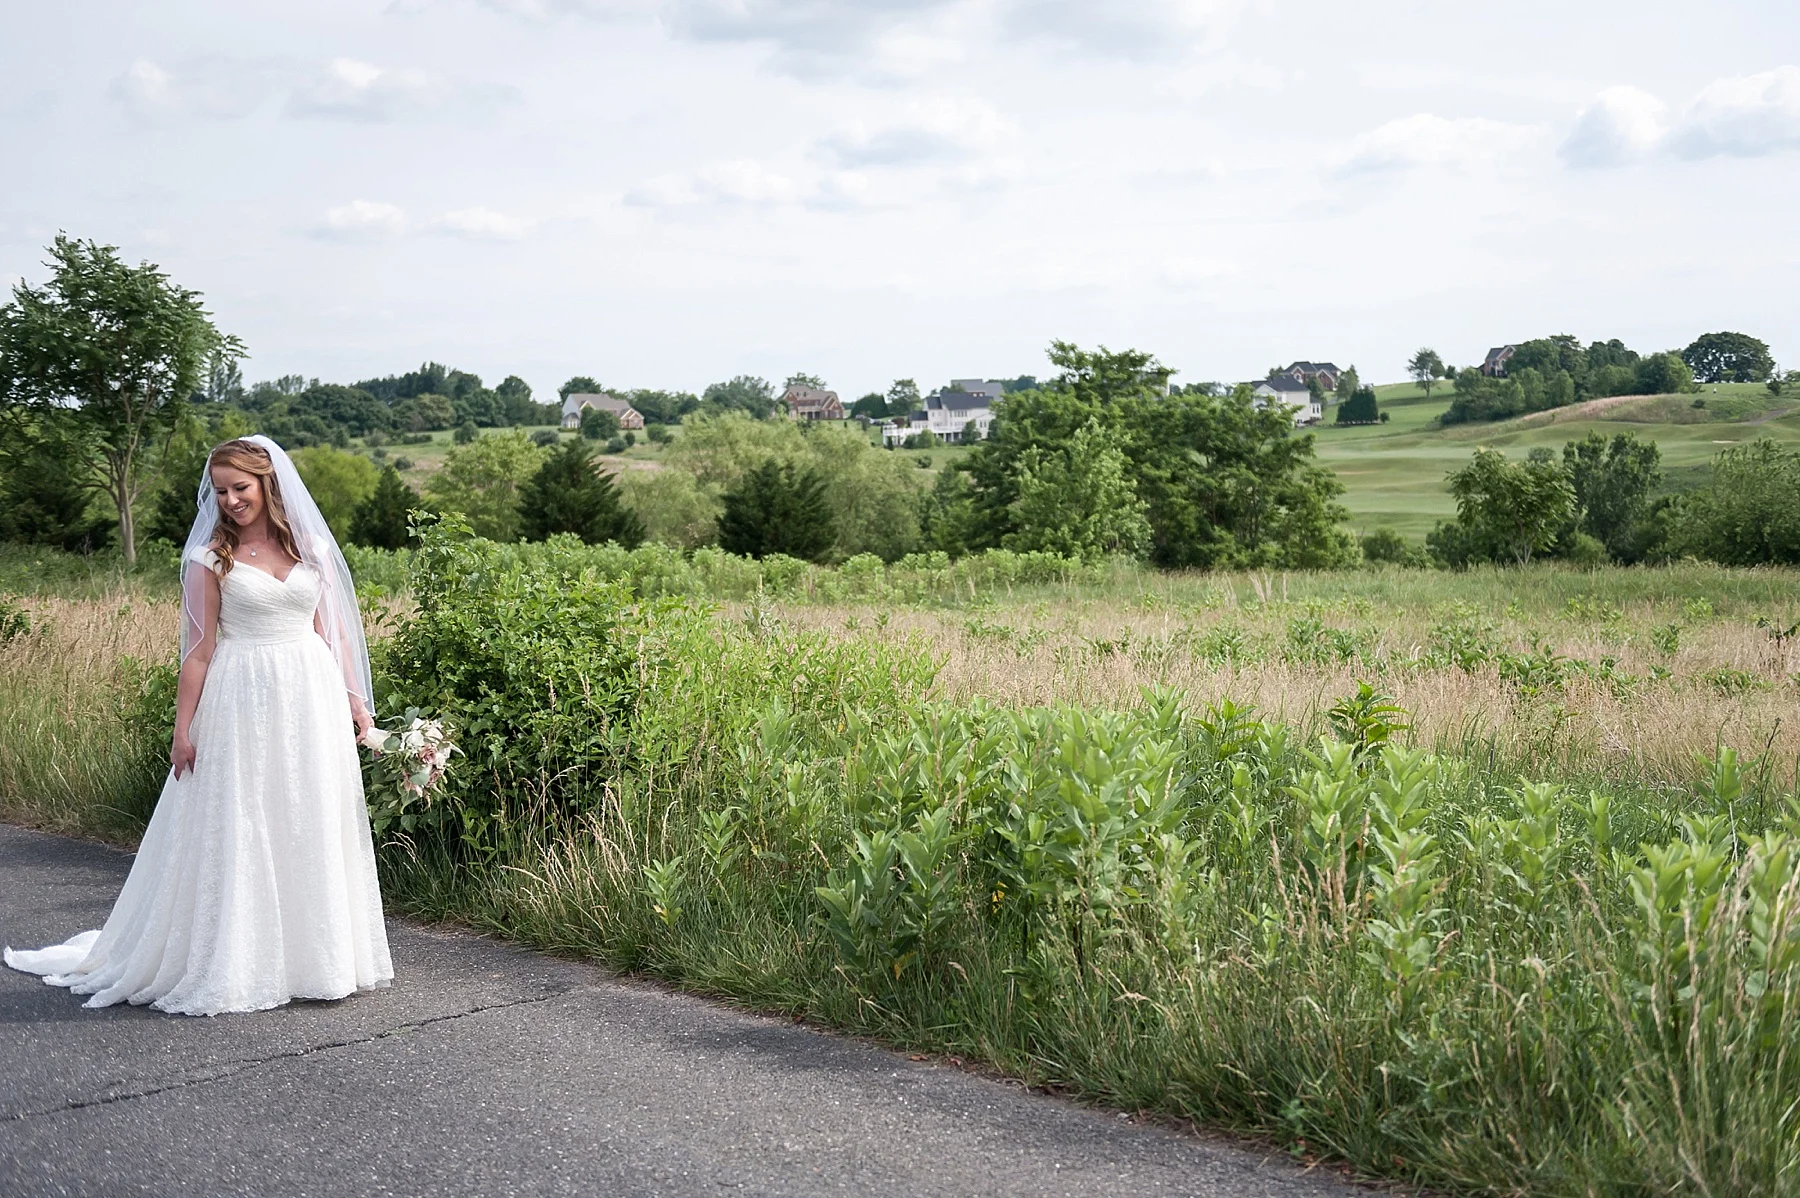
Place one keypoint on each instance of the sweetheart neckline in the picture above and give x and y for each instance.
(269, 576)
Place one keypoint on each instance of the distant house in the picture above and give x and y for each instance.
(629, 417)
(979, 388)
(1286, 391)
(1302, 372)
(811, 403)
(955, 416)
(1494, 365)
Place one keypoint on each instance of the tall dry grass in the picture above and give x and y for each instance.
(66, 764)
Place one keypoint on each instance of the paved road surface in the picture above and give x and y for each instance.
(488, 1070)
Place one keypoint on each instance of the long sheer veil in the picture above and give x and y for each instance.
(337, 610)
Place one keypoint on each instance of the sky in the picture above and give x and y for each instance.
(665, 193)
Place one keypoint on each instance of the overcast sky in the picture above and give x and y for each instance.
(669, 192)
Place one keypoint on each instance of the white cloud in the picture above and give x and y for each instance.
(481, 224)
(350, 89)
(1623, 124)
(933, 130)
(1742, 117)
(364, 220)
(1425, 140)
(741, 181)
(214, 88)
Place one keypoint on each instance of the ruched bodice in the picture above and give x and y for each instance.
(258, 608)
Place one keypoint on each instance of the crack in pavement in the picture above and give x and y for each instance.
(233, 1068)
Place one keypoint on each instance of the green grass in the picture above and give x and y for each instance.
(1394, 473)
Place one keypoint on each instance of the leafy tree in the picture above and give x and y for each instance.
(380, 521)
(1729, 358)
(581, 384)
(873, 495)
(1360, 408)
(1426, 368)
(1602, 354)
(1505, 510)
(43, 501)
(1612, 481)
(356, 410)
(423, 413)
(107, 355)
(947, 513)
(465, 432)
(483, 479)
(719, 450)
(1479, 397)
(597, 424)
(1664, 374)
(662, 407)
(673, 507)
(1384, 545)
(1749, 512)
(872, 406)
(1224, 483)
(568, 494)
(339, 481)
(805, 380)
(224, 382)
(903, 398)
(743, 393)
(1347, 384)
(1547, 355)
(777, 509)
(1315, 391)
(1078, 500)
(514, 396)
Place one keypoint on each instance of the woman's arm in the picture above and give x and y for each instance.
(205, 584)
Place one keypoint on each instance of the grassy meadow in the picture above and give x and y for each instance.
(1486, 881)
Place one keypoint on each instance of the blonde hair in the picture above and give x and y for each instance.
(251, 458)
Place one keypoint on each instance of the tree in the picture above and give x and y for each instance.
(1664, 374)
(184, 461)
(380, 521)
(1729, 358)
(338, 481)
(109, 354)
(224, 382)
(598, 424)
(356, 410)
(514, 396)
(777, 509)
(1315, 390)
(873, 495)
(482, 480)
(1347, 384)
(581, 384)
(743, 393)
(662, 407)
(1505, 510)
(672, 505)
(1078, 501)
(43, 501)
(569, 495)
(903, 398)
(872, 406)
(806, 380)
(425, 412)
(465, 432)
(1360, 408)
(1426, 368)
(1749, 512)
(1225, 483)
(1612, 481)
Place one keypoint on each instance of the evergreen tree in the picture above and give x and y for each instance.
(43, 501)
(777, 509)
(380, 520)
(1360, 408)
(568, 494)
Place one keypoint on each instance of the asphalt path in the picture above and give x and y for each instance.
(489, 1070)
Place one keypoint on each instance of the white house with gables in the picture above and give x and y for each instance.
(1286, 391)
(629, 417)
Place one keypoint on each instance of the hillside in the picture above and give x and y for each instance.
(1394, 472)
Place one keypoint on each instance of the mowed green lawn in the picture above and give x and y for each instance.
(1394, 473)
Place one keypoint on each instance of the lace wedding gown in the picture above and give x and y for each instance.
(255, 881)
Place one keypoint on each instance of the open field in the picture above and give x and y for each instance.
(1394, 472)
(1539, 931)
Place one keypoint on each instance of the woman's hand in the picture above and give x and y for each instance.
(181, 754)
(364, 722)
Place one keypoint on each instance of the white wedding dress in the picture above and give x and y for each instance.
(255, 881)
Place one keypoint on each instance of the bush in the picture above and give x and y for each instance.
(1386, 546)
(544, 438)
(466, 432)
(598, 424)
(1747, 515)
(616, 445)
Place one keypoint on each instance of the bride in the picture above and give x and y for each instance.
(255, 882)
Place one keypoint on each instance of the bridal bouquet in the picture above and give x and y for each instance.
(415, 756)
